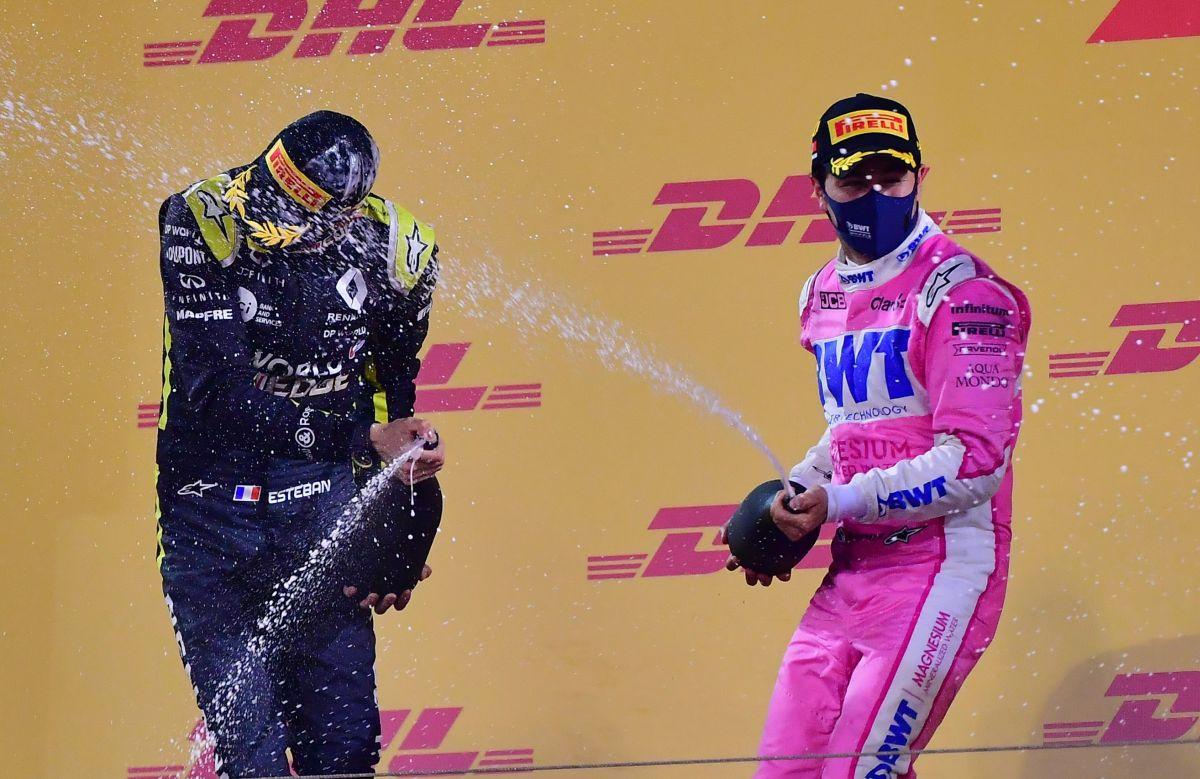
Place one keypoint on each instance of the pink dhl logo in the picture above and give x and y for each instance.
(1162, 706)
(1142, 351)
(1146, 20)
(437, 369)
(683, 553)
(688, 226)
(417, 752)
(370, 28)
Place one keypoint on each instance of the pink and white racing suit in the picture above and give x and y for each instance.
(919, 358)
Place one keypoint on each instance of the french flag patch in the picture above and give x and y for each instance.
(247, 493)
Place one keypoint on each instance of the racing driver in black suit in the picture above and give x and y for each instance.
(296, 302)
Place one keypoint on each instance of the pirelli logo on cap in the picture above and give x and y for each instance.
(302, 189)
(874, 121)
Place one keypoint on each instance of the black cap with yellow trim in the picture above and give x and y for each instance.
(856, 127)
(305, 187)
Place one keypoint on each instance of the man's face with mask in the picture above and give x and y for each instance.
(878, 173)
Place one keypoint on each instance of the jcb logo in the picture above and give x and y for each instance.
(683, 552)
(1157, 707)
(370, 27)
(690, 226)
(1143, 350)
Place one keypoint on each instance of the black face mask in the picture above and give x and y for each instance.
(874, 224)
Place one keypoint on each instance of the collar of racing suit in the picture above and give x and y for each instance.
(852, 277)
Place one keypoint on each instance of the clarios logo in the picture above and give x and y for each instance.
(692, 225)
(411, 741)
(682, 552)
(1143, 350)
(288, 25)
(1157, 707)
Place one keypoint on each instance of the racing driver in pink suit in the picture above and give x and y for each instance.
(919, 348)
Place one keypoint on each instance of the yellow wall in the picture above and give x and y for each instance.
(518, 154)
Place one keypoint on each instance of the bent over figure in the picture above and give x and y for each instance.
(293, 296)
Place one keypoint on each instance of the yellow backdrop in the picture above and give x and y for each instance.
(537, 137)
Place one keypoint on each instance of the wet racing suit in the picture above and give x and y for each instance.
(266, 401)
(919, 357)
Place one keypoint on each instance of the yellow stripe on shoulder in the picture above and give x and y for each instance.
(410, 241)
(217, 226)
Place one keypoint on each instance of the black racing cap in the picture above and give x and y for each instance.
(324, 158)
(854, 128)
(310, 179)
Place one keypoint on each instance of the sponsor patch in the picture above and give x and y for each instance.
(990, 329)
(874, 121)
(306, 490)
(247, 493)
(302, 189)
(833, 300)
(196, 488)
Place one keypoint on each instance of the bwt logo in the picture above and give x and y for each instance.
(1161, 706)
(857, 278)
(847, 362)
(418, 751)
(688, 226)
(915, 498)
(680, 553)
(369, 29)
(437, 369)
(896, 739)
(1142, 350)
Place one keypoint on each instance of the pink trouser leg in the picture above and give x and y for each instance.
(883, 699)
(808, 692)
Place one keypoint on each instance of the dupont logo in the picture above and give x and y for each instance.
(1147, 347)
(683, 551)
(411, 742)
(1161, 706)
(253, 30)
(438, 368)
(712, 214)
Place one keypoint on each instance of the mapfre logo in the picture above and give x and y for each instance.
(682, 551)
(1146, 348)
(692, 223)
(1162, 706)
(411, 742)
(289, 25)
